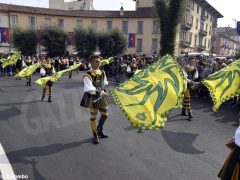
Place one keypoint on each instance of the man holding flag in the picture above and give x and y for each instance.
(95, 97)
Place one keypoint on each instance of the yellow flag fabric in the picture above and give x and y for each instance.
(147, 98)
(106, 61)
(11, 59)
(224, 84)
(2, 60)
(42, 81)
(28, 71)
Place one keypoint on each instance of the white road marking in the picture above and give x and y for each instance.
(5, 166)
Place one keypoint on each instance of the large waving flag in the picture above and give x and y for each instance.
(11, 59)
(147, 98)
(224, 84)
(42, 81)
(103, 62)
(28, 71)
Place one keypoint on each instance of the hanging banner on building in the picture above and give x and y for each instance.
(238, 27)
(131, 40)
(4, 35)
(70, 39)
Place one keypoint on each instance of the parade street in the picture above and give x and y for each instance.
(43, 140)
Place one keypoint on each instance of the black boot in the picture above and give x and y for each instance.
(100, 133)
(184, 112)
(95, 138)
(50, 99)
(190, 116)
(27, 83)
(42, 99)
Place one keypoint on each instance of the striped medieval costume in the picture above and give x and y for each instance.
(231, 167)
(191, 75)
(47, 69)
(28, 62)
(94, 82)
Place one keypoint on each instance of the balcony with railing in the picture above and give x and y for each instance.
(202, 47)
(188, 7)
(203, 17)
(185, 43)
(187, 25)
(203, 32)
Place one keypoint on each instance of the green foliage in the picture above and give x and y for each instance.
(25, 41)
(54, 40)
(111, 44)
(170, 14)
(85, 41)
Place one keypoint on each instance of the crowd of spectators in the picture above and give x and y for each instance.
(124, 66)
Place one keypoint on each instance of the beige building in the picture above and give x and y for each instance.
(71, 4)
(197, 32)
(227, 41)
(194, 35)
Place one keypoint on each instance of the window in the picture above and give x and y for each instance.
(125, 27)
(94, 24)
(196, 23)
(109, 26)
(32, 22)
(190, 37)
(202, 25)
(193, 5)
(195, 40)
(14, 20)
(209, 43)
(140, 27)
(60, 23)
(198, 8)
(154, 44)
(139, 45)
(155, 27)
(79, 23)
(47, 22)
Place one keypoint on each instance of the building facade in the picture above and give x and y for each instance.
(227, 41)
(194, 35)
(198, 30)
(71, 4)
(4, 32)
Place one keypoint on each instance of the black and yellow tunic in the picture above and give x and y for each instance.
(97, 78)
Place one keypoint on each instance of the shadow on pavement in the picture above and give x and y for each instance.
(20, 103)
(225, 114)
(8, 113)
(181, 142)
(19, 156)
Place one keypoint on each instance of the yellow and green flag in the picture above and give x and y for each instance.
(147, 98)
(224, 84)
(28, 71)
(11, 59)
(42, 81)
(106, 61)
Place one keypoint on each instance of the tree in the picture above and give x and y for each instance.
(54, 40)
(170, 14)
(111, 44)
(119, 42)
(85, 42)
(25, 41)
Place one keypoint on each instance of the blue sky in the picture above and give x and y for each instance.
(228, 8)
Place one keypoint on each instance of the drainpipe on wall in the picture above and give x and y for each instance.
(10, 31)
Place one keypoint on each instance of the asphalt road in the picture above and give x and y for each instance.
(53, 140)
